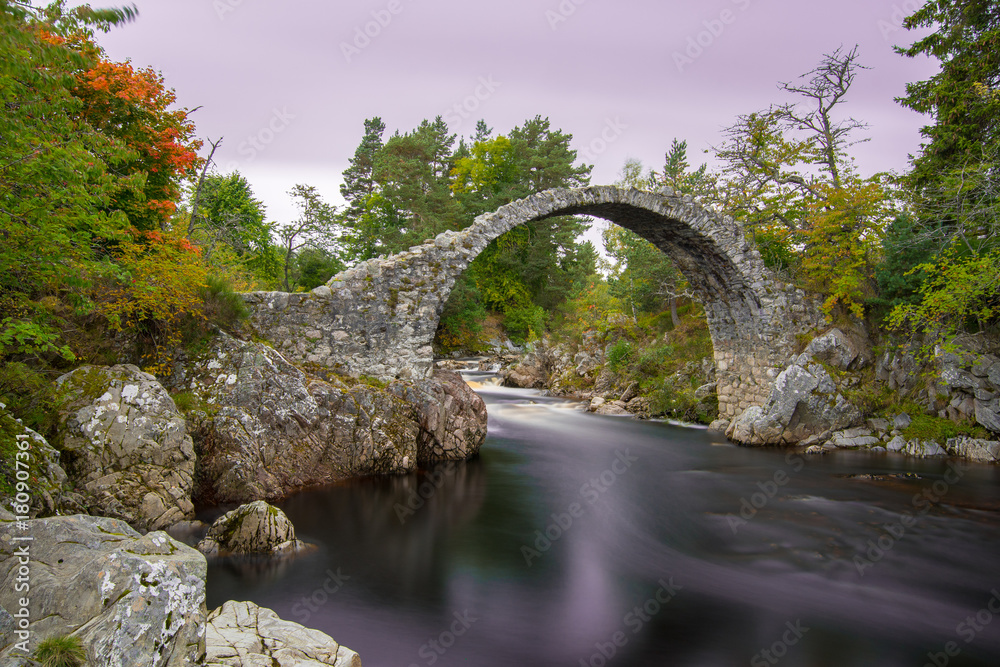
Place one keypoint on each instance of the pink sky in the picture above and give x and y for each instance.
(289, 84)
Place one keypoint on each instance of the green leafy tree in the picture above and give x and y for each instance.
(55, 192)
(371, 225)
(230, 215)
(789, 177)
(641, 276)
(314, 267)
(315, 228)
(538, 264)
(955, 177)
(413, 173)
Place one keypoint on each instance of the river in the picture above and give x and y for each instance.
(577, 539)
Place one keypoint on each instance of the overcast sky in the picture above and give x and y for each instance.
(289, 84)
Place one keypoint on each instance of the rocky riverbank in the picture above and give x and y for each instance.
(836, 394)
(133, 455)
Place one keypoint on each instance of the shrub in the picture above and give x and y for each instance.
(64, 651)
(620, 355)
(223, 305)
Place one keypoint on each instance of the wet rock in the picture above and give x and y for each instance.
(451, 417)
(803, 402)
(129, 451)
(265, 428)
(985, 451)
(897, 444)
(532, 372)
(241, 634)
(924, 449)
(615, 408)
(719, 425)
(595, 403)
(254, 528)
(854, 437)
(132, 599)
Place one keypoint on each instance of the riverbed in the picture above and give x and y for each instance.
(578, 539)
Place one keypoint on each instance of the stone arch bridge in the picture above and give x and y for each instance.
(379, 318)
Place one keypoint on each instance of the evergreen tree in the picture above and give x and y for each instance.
(413, 173)
(964, 97)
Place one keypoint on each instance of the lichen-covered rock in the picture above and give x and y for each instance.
(612, 408)
(451, 416)
(129, 453)
(836, 349)
(254, 528)
(241, 634)
(967, 386)
(42, 478)
(853, 437)
(265, 428)
(985, 451)
(132, 599)
(804, 402)
(531, 372)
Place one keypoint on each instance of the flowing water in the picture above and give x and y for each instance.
(576, 539)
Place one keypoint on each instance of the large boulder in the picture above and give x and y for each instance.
(984, 451)
(254, 528)
(265, 428)
(804, 402)
(451, 416)
(241, 634)
(837, 349)
(132, 599)
(531, 372)
(127, 448)
(41, 478)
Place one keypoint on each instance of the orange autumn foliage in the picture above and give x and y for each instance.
(133, 106)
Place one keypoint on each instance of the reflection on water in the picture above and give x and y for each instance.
(576, 539)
